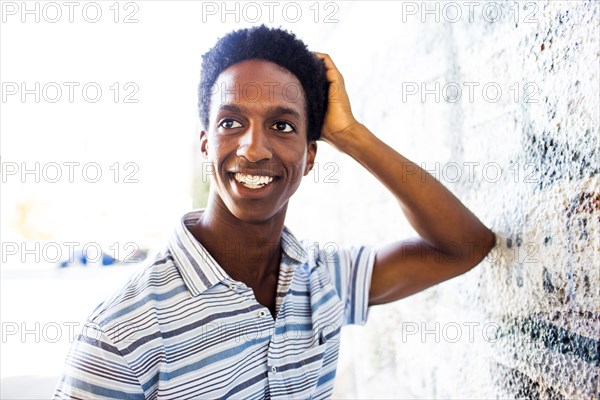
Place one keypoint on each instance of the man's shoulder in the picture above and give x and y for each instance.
(157, 281)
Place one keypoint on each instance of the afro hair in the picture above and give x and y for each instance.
(279, 47)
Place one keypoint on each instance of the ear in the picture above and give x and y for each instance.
(310, 156)
(204, 143)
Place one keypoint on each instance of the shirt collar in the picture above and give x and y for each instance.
(199, 270)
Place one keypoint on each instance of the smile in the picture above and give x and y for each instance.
(253, 181)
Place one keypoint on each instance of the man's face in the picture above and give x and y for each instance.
(256, 139)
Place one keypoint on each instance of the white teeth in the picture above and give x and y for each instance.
(253, 181)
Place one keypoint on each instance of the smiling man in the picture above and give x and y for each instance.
(236, 306)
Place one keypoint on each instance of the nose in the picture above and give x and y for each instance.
(254, 144)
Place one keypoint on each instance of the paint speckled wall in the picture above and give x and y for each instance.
(525, 322)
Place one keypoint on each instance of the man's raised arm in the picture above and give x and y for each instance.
(452, 240)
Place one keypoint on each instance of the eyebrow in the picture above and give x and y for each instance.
(228, 107)
(271, 110)
(284, 110)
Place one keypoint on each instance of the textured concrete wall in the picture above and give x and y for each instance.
(525, 322)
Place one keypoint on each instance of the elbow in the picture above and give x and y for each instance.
(485, 244)
(488, 242)
(492, 241)
(475, 250)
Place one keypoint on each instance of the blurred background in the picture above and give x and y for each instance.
(497, 99)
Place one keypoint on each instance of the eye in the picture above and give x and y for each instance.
(283, 126)
(229, 123)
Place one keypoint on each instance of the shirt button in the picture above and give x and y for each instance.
(273, 369)
(262, 314)
(232, 286)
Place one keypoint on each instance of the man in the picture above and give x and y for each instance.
(236, 306)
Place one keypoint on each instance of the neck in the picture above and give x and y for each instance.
(248, 251)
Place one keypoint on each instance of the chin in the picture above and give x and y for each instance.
(255, 215)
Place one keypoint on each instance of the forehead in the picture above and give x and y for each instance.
(258, 83)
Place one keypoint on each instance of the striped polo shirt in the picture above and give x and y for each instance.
(182, 328)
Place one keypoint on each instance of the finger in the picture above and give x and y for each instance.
(328, 61)
(331, 71)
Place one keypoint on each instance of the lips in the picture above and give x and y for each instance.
(253, 181)
(252, 186)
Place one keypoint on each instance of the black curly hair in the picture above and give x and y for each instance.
(277, 46)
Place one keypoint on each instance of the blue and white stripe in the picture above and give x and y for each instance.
(184, 329)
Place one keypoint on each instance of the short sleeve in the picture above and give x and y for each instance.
(351, 269)
(95, 369)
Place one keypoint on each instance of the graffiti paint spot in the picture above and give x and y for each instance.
(548, 286)
(586, 202)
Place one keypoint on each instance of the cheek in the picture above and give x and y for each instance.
(217, 152)
(301, 157)
(294, 152)
(295, 165)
